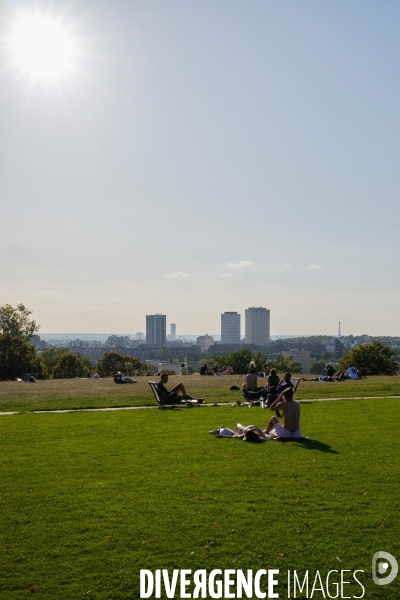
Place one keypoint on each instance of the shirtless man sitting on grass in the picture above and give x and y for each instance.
(291, 416)
(172, 396)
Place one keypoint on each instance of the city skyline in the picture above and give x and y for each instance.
(128, 181)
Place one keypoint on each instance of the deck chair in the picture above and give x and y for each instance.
(295, 381)
(253, 395)
(154, 389)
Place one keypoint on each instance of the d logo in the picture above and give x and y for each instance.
(385, 559)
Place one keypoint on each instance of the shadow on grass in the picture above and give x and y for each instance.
(315, 445)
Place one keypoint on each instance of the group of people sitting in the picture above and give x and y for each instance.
(216, 370)
(90, 375)
(329, 374)
(255, 394)
(290, 429)
(277, 395)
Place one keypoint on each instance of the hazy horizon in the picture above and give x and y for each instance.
(216, 336)
(197, 158)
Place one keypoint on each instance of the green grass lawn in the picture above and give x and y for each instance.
(83, 393)
(88, 499)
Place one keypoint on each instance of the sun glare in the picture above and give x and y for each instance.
(41, 46)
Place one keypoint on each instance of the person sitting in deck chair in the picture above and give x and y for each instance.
(172, 396)
(285, 383)
(291, 416)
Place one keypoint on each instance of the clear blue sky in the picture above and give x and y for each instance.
(200, 134)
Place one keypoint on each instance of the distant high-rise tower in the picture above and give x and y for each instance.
(230, 328)
(173, 332)
(156, 329)
(257, 326)
(339, 334)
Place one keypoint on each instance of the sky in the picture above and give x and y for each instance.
(203, 156)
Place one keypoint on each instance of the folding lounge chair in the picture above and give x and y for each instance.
(154, 388)
(295, 381)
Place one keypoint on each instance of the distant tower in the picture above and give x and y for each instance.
(339, 334)
(257, 326)
(173, 332)
(156, 326)
(230, 328)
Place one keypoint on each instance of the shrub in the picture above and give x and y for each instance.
(374, 359)
(69, 366)
(112, 362)
(317, 366)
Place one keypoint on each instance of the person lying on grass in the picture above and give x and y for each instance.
(251, 433)
(291, 416)
(119, 379)
(176, 395)
(337, 377)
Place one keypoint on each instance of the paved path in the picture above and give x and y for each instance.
(74, 410)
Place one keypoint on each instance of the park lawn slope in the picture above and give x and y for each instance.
(88, 499)
(58, 394)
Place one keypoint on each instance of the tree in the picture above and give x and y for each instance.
(69, 366)
(317, 366)
(239, 360)
(51, 356)
(283, 365)
(16, 322)
(259, 359)
(18, 357)
(87, 363)
(111, 362)
(374, 359)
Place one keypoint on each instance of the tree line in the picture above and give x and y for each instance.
(18, 356)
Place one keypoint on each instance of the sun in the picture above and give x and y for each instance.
(41, 46)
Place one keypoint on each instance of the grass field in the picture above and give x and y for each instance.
(88, 499)
(83, 393)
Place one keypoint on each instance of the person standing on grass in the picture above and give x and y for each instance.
(291, 416)
(176, 395)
